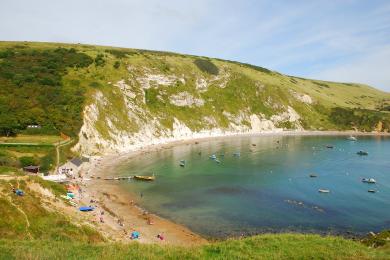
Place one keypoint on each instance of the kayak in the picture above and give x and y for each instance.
(86, 208)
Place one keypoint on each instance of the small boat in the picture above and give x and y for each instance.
(369, 180)
(362, 153)
(236, 154)
(352, 138)
(372, 191)
(323, 191)
(213, 157)
(313, 175)
(217, 161)
(183, 163)
(86, 208)
(144, 178)
(329, 146)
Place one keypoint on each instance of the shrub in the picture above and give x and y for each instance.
(206, 66)
(26, 161)
(99, 60)
(117, 64)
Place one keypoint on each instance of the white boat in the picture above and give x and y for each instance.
(352, 138)
(369, 180)
(213, 157)
(217, 161)
(323, 191)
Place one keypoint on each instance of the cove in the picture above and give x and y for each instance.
(268, 187)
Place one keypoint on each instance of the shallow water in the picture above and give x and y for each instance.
(268, 188)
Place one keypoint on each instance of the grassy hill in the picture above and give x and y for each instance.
(126, 93)
(283, 246)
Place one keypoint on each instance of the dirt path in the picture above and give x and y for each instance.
(58, 146)
(9, 198)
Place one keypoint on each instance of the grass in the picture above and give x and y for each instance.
(283, 246)
(41, 139)
(29, 217)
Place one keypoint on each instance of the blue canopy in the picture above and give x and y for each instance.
(85, 208)
(135, 235)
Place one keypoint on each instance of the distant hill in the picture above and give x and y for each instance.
(115, 98)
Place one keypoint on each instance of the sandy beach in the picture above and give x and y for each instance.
(117, 214)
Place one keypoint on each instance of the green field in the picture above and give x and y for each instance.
(41, 139)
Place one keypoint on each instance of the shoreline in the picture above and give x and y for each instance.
(118, 204)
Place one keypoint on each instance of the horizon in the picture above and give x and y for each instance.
(331, 41)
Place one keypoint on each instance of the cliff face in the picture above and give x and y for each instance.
(153, 99)
(104, 132)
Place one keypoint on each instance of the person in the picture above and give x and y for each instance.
(101, 219)
(160, 236)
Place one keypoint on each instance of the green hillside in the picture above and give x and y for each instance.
(283, 246)
(50, 84)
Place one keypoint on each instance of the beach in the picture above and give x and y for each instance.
(117, 213)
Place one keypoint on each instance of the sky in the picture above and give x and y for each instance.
(337, 40)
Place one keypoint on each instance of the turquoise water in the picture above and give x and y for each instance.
(268, 188)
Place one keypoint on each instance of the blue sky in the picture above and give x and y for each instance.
(339, 40)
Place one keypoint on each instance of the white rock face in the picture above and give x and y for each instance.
(201, 84)
(159, 79)
(185, 99)
(290, 116)
(259, 125)
(304, 98)
(117, 139)
(126, 89)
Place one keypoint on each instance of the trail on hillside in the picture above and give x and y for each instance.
(9, 198)
(60, 144)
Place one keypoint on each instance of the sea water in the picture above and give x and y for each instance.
(268, 188)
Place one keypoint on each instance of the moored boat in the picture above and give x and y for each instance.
(369, 180)
(372, 191)
(183, 163)
(323, 191)
(352, 138)
(144, 178)
(213, 157)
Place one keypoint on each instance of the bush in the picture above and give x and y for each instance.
(99, 60)
(27, 161)
(117, 64)
(362, 119)
(206, 66)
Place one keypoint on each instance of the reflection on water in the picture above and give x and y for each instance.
(268, 187)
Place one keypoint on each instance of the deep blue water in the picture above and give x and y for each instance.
(268, 188)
